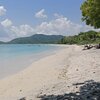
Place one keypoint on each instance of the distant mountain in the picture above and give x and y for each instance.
(2, 42)
(37, 39)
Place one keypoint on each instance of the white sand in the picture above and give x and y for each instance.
(53, 74)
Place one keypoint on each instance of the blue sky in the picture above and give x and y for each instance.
(20, 18)
(22, 11)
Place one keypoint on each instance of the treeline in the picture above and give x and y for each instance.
(82, 38)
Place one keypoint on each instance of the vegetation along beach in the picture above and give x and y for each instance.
(49, 50)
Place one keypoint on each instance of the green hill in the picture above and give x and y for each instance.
(2, 42)
(37, 39)
(82, 38)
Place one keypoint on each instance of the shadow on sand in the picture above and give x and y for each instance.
(89, 90)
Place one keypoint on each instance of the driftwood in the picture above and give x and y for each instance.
(86, 47)
(97, 46)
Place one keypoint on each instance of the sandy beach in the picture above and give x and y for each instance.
(53, 75)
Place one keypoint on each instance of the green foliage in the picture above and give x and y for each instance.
(82, 38)
(91, 12)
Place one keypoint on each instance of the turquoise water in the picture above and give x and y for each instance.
(16, 57)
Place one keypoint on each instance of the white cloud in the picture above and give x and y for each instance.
(59, 25)
(12, 31)
(41, 14)
(87, 28)
(22, 30)
(56, 15)
(6, 23)
(2, 10)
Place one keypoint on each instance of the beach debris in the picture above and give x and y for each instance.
(76, 69)
(20, 90)
(97, 46)
(86, 47)
(89, 46)
(23, 98)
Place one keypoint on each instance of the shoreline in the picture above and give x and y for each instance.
(54, 74)
(18, 63)
(43, 55)
(30, 74)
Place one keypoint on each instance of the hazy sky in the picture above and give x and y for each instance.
(19, 18)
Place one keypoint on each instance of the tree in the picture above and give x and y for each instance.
(91, 12)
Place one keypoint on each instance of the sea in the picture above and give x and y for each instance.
(16, 57)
